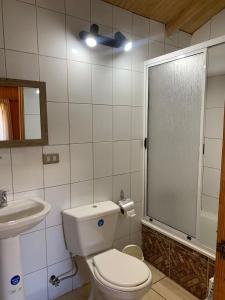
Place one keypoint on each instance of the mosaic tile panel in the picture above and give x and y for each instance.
(185, 266)
(156, 249)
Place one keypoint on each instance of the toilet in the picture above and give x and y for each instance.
(89, 232)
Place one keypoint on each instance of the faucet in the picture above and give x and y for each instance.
(3, 198)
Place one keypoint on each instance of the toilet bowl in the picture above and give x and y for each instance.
(117, 276)
(89, 232)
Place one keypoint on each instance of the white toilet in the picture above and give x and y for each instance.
(89, 232)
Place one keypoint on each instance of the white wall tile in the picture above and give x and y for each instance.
(1, 28)
(80, 123)
(123, 227)
(81, 162)
(173, 39)
(137, 89)
(122, 59)
(218, 25)
(213, 153)
(155, 49)
(122, 19)
(27, 168)
(121, 123)
(139, 54)
(170, 48)
(136, 238)
(215, 91)
(76, 50)
(137, 186)
(121, 157)
(101, 85)
(22, 65)
(6, 172)
(102, 55)
(102, 123)
(33, 248)
(102, 159)
(137, 155)
(121, 182)
(66, 285)
(214, 123)
(119, 244)
(136, 220)
(2, 63)
(79, 82)
(210, 204)
(57, 174)
(58, 128)
(78, 8)
(59, 199)
(35, 285)
(51, 33)
(20, 26)
(202, 34)
(103, 189)
(57, 5)
(157, 31)
(121, 87)
(211, 182)
(141, 26)
(184, 39)
(137, 128)
(54, 72)
(56, 248)
(81, 193)
(101, 13)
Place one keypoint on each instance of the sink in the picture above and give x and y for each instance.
(15, 218)
(19, 216)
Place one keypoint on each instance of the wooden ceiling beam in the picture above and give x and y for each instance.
(186, 15)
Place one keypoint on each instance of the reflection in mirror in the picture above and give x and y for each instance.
(23, 116)
(19, 113)
(213, 134)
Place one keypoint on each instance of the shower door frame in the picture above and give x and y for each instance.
(201, 136)
(219, 290)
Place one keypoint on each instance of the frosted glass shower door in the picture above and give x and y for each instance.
(174, 128)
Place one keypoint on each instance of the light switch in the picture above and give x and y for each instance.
(50, 158)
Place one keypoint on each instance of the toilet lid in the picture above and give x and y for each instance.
(121, 269)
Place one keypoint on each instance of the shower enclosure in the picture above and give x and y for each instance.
(185, 93)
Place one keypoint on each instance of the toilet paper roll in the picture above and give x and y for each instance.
(127, 207)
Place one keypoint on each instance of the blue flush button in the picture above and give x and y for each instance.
(15, 280)
(100, 222)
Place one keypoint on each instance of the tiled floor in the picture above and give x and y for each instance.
(162, 288)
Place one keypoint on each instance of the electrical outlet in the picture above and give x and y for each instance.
(50, 158)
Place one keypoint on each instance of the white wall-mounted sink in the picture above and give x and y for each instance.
(19, 216)
(15, 218)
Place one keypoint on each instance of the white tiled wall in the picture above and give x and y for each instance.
(95, 119)
(213, 127)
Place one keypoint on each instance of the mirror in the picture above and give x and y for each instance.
(23, 113)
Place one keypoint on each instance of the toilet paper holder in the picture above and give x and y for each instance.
(126, 205)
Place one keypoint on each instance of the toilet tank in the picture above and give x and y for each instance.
(91, 228)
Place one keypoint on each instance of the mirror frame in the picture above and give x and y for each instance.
(43, 113)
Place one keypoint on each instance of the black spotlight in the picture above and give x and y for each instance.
(93, 38)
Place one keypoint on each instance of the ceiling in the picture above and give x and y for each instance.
(186, 15)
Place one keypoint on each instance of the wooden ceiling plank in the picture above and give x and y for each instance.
(203, 17)
(186, 15)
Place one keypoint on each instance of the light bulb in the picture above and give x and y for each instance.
(128, 46)
(91, 41)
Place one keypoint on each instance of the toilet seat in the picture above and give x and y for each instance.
(120, 271)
